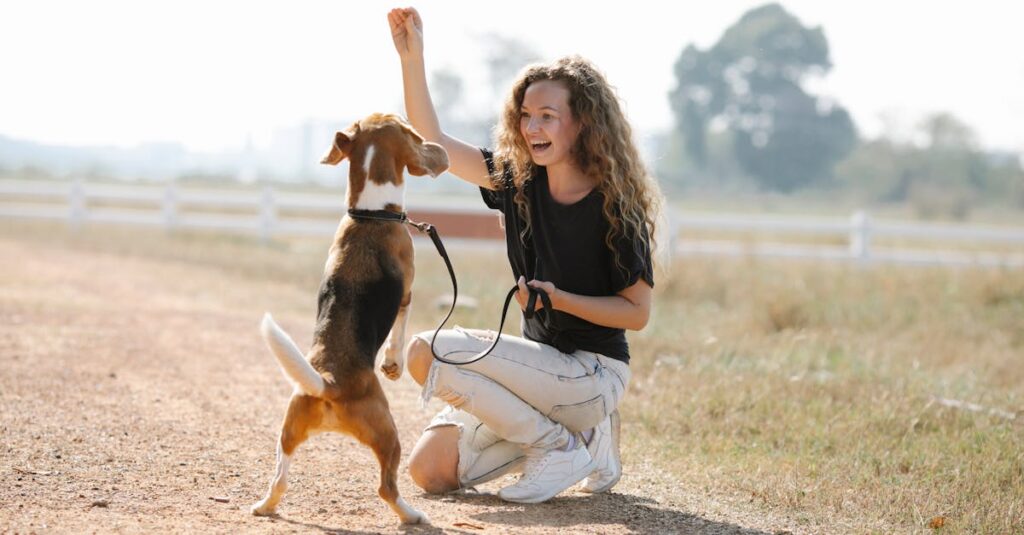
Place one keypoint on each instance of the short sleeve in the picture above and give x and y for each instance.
(634, 261)
(493, 198)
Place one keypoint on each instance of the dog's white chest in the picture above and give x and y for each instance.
(377, 196)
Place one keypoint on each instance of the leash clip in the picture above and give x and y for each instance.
(422, 227)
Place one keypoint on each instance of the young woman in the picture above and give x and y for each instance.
(579, 209)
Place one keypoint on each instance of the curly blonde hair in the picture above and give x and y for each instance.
(604, 149)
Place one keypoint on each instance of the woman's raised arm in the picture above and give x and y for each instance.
(466, 161)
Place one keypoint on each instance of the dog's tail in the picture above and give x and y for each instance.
(293, 363)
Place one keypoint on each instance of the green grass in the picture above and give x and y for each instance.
(802, 388)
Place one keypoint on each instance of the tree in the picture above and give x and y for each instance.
(752, 81)
(943, 131)
(942, 174)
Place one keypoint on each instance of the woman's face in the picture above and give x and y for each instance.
(547, 124)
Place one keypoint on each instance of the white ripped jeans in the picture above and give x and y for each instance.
(523, 393)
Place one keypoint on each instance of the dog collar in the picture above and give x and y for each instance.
(379, 215)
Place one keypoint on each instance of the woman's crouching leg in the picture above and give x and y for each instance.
(458, 451)
(434, 461)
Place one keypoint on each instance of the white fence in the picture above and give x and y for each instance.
(260, 212)
(935, 244)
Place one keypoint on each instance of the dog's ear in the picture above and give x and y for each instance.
(428, 158)
(339, 150)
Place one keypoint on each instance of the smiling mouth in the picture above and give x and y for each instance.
(537, 147)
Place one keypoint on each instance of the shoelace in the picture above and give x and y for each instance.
(535, 463)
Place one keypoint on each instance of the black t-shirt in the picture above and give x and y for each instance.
(566, 246)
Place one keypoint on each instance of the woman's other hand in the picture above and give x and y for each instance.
(523, 295)
(407, 32)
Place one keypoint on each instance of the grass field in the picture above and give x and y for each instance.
(814, 392)
(811, 388)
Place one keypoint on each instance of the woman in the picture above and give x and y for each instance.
(579, 208)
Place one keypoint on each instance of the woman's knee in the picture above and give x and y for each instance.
(433, 463)
(418, 359)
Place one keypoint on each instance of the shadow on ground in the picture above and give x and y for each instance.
(637, 514)
(414, 529)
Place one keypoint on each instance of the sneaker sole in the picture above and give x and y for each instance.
(606, 487)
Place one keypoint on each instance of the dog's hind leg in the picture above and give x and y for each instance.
(279, 484)
(389, 453)
(304, 414)
(370, 422)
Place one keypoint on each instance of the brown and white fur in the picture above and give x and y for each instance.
(363, 298)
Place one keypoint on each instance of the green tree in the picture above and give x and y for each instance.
(943, 174)
(752, 81)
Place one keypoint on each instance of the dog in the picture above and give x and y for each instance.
(364, 297)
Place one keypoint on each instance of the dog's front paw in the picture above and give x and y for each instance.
(391, 370)
(394, 360)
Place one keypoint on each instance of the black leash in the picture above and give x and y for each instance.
(427, 228)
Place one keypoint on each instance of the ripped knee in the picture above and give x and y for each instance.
(451, 397)
(483, 335)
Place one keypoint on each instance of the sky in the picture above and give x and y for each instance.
(213, 74)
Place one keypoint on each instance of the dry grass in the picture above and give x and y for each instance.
(795, 389)
(808, 388)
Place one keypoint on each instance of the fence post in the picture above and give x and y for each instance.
(268, 214)
(860, 236)
(76, 201)
(674, 231)
(170, 207)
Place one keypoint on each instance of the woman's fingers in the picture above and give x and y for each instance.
(394, 22)
(522, 293)
(415, 15)
(406, 30)
(545, 286)
(399, 31)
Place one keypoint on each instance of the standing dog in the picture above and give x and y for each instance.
(364, 295)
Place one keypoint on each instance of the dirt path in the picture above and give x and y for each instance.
(136, 395)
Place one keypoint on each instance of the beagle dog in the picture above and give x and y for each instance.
(363, 298)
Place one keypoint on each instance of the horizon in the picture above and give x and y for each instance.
(246, 71)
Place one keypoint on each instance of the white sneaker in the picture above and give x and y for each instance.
(547, 473)
(604, 448)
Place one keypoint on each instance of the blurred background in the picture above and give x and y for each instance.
(912, 108)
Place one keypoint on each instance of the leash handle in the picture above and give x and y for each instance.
(531, 302)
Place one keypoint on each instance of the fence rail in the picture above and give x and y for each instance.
(268, 212)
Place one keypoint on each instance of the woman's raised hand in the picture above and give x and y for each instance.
(407, 32)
